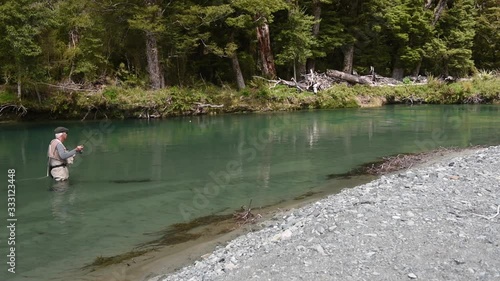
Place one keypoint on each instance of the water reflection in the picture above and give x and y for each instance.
(313, 133)
(62, 199)
(264, 166)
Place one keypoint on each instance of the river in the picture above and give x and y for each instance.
(136, 177)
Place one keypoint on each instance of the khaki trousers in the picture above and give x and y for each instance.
(60, 173)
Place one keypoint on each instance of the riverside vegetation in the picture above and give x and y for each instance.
(119, 102)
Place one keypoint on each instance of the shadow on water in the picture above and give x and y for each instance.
(306, 195)
(211, 225)
(64, 184)
(118, 181)
(106, 261)
(175, 234)
(363, 169)
(132, 181)
(181, 232)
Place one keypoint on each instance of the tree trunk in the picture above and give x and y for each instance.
(416, 72)
(348, 49)
(348, 58)
(317, 16)
(398, 73)
(155, 76)
(74, 39)
(348, 77)
(237, 71)
(294, 70)
(19, 78)
(300, 68)
(438, 11)
(310, 65)
(316, 8)
(266, 55)
(19, 91)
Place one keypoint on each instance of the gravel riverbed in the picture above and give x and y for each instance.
(435, 222)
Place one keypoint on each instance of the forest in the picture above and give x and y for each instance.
(152, 44)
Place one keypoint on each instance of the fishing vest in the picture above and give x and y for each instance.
(53, 155)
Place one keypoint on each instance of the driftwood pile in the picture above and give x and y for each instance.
(315, 82)
(398, 162)
(312, 82)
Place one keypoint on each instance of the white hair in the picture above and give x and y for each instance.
(58, 135)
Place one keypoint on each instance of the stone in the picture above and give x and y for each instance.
(287, 234)
(412, 276)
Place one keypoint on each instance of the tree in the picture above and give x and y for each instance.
(149, 43)
(352, 16)
(486, 50)
(82, 29)
(21, 24)
(149, 19)
(316, 52)
(296, 39)
(332, 34)
(450, 51)
(203, 24)
(407, 30)
(261, 12)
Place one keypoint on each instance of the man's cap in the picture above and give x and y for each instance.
(61, 130)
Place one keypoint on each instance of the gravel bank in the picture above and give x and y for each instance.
(438, 222)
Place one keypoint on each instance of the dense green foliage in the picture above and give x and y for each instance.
(197, 42)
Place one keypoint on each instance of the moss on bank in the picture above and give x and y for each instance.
(115, 102)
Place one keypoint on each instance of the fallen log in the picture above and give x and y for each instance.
(348, 77)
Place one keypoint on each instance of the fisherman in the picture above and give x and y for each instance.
(59, 156)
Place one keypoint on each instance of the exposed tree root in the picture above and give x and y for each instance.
(19, 109)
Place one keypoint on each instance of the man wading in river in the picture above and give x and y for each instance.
(59, 156)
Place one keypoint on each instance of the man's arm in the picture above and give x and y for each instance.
(63, 153)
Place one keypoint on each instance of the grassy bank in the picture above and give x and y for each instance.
(116, 102)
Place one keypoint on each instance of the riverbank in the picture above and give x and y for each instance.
(432, 222)
(122, 103)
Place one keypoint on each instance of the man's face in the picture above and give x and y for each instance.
(64, 136)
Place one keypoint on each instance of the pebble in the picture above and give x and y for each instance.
(412, 276)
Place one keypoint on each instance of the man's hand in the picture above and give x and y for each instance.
(79, 148)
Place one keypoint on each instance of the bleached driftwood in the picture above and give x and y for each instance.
(354, 79)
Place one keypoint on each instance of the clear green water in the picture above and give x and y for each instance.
(137, 177)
